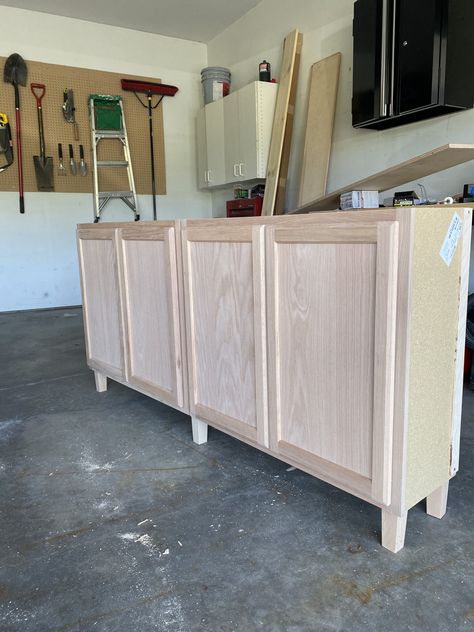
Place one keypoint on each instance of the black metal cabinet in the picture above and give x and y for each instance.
(411, 60)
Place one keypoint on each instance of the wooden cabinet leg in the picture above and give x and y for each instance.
(199, 431)
(393, 531)
(100, 382)
(437, 501)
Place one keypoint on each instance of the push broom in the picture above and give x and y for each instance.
(150, 89)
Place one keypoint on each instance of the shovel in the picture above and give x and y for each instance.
(43, 165)
(15, 72)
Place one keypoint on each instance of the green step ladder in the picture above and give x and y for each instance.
(108, 123)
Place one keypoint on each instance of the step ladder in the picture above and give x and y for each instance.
(107, 122)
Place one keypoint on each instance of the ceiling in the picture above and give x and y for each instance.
(196, 20)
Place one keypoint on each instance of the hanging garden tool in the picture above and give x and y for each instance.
(69, 110)
(82, 163)
(61, 168)
(15, 72)
(43, 164)
(6, 143)
(72, 162)
(150, 89)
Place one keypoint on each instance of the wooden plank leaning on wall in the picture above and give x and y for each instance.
(280, 144)
(324, 83)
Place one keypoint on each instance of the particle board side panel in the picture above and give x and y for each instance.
(324, 84)
(433, 332)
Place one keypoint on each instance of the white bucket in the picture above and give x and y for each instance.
(215, 83)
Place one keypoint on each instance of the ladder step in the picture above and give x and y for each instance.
(115, 194)
(112, 163)
(109, 134)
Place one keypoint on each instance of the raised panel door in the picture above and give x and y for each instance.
(224, 290)
(151, 311)
(331, 315)
(101, 300)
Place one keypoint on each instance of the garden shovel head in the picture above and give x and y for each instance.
(44, 170)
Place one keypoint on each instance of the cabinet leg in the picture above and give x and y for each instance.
(437, 501)
(393, 531)
(100, 382)
(199, 430)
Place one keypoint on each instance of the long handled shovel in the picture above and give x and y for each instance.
(15, 72)
(44, 169)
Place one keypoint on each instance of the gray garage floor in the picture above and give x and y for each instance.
(113, 520)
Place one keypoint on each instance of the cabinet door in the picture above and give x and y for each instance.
(368, 71)
(202, 149)
(225, 314)
(215, 143)
(331, 314)
(418, 45)
(247, 160)
(101, 300)
(151, 311)
(232, 137)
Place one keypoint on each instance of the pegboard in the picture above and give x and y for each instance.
(83, 82)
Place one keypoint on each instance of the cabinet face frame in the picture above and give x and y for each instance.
(236, 234)
(167, 235)
(104, 234)
(378, 487)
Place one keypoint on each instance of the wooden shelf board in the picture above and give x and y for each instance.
(433, 161)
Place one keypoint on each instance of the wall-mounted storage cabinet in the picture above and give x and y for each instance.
(410, 60)
(233, 136)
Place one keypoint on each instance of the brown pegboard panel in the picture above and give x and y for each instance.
(83, 82)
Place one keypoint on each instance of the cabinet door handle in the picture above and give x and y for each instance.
(392, 69)
(209, 178)
(241, 165)
(235, 171)
(383, 65)
(205, 176)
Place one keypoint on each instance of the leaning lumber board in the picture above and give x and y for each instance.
(419, 167)
(324, 83)
(290, 50)
(279, 207)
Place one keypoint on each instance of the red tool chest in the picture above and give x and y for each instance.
(244, 207)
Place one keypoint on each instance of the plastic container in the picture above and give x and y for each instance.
(215, 83)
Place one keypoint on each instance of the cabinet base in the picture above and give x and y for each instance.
(100, 382)
(437, 501)
(199, 430)
(393, 531)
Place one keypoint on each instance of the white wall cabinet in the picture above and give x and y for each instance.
(237, 136)
(305, 337)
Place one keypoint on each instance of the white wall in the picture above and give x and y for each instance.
(38, 266)
(327, 28)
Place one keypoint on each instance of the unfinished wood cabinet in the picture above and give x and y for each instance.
(133, 307)
(332, 341)
(101, 300)
(225, 319)
(151, 314)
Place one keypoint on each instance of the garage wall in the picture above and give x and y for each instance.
(327, 28)
(38, 266)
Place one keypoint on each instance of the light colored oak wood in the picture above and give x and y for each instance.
(148, 257)
(321, 400)
(280, 202)
(225, 334)
(291, 46)
(393, 531)
(100, 382)
(465, 245)
(384, 359)
(323, 87)
(437, 501)
(418, 167)
(199, 428)
(101, 300)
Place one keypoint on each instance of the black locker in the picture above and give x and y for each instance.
(409, 60)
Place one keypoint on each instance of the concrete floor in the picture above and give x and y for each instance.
(112, 520)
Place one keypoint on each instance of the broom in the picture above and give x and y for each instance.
(150, 89)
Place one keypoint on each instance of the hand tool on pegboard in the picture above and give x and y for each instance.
(6, 143)
(69, 110)
(43, 164)
(72, 162)
(82, 162)
(61, 167)
(15, 72)
(150, 89)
